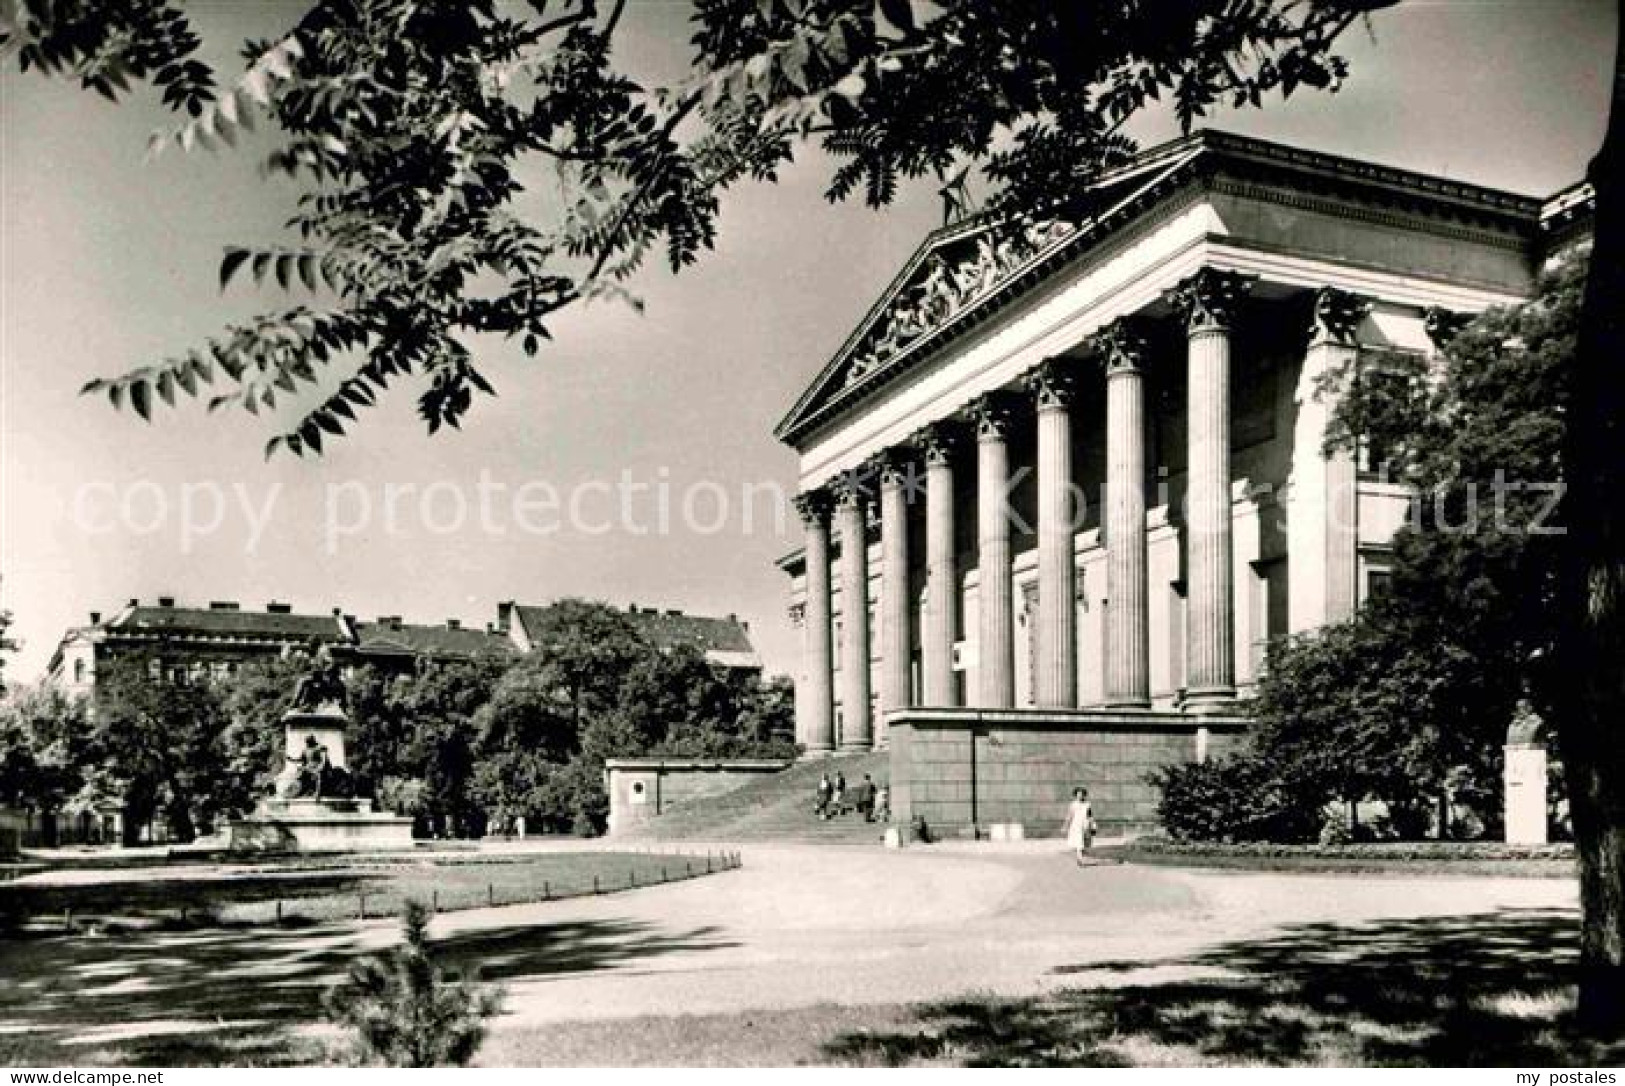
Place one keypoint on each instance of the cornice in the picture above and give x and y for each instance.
(1208, 162)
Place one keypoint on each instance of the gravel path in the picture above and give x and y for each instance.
(804, 926)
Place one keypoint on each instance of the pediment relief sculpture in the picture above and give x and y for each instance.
(950, 280)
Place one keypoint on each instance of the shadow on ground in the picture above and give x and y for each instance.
(215, 995)
(1487, 989)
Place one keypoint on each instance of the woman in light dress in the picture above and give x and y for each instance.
(1080, 824)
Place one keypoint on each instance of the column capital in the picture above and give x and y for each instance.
(895, 466)
(1123, 344)
(1052, 383)
(813, 506)
(1335, 316)
(851, 488)
(1443, 324)
(992, 414)
(1208, 300)
(936, 443)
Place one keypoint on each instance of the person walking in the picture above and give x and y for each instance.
(840, 791)
(1080, 824)
(821, 809)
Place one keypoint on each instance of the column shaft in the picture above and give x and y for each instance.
(817, 732)
(1208, 301)
(1323, 512)
(1055, 655)
(1128, 621)
(996, 649)
(1212, 672)
(942, 575)
(856, 733)
(896, 612)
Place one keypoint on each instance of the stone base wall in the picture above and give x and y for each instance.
(642, 789)
(964, 770)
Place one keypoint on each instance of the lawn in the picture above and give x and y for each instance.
(1410, 859)
(300, 890)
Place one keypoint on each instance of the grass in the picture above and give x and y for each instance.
(180, 995)
(1407, 859)
(304, 892)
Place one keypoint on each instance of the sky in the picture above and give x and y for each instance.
(109, 261)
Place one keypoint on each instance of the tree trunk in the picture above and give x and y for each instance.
(1590, 700)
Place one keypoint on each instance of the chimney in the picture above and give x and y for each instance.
(674, 613)
(223, 605)
(275, 608)
(392, 621)
(505, 615)
(95, 618)
(454, 624)
(134, 602)
(338, 612)
(166, 601)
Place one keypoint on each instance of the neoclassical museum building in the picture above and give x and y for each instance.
(1076, 470)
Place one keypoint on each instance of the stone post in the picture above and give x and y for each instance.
(1055, 659)
(936, 444)
(1128, 619)
(992, 415)
(851, 518)
(1208, 301)
(817, 731)
(896, 609)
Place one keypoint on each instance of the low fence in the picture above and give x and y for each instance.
(201, 906)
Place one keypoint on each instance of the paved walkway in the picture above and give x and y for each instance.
(803, 926)
(797, 926)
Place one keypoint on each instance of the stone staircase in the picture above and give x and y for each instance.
(776, 808)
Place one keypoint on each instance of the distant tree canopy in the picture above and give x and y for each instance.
(412, 128)
(453, 743)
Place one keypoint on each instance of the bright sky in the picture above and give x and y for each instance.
(108, 261)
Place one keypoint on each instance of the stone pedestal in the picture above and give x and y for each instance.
(292, 823)
(1524, 783)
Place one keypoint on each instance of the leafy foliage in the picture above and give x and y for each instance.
(38, 728)
(8, 644)
(405, 1011)
(1241, 798)
(156, 742)
(412, 130)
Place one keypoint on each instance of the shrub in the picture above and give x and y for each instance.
(1232, 799)
(405, 1011)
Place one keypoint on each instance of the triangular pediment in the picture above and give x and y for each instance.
(958, 274)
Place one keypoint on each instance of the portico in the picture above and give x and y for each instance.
(1095, 447)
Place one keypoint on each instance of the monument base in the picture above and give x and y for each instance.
(319, 825)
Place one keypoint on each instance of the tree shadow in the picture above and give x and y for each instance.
(1489, 989)
(241, 996)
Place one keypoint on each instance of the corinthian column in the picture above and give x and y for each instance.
(1128, 622)
(816, 731)
(1323, 513)
(996, 648)
(1208, 301)
(852, 521)
(1055, 657)
(896, 612)
(935, 444)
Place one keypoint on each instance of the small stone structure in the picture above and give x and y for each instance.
(313, 807)
(966, 771)
(1523, 779)
(641, 789)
